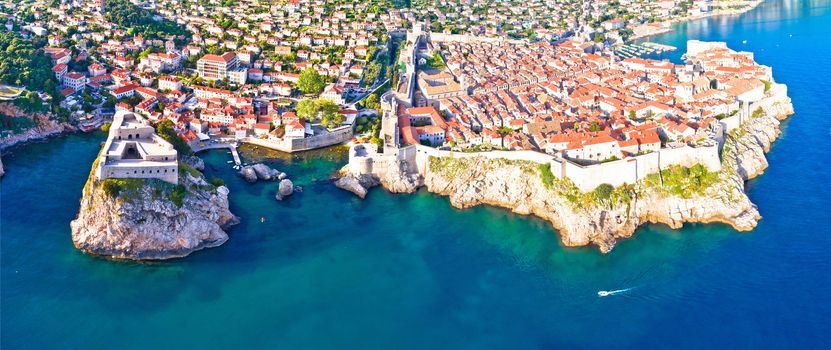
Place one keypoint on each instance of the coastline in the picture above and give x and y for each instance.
(44, 127)
(519, 187)
(668, 25)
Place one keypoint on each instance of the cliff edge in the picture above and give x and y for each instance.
(148, 219)
(602, 217)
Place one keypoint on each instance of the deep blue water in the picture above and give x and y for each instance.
(327, 270)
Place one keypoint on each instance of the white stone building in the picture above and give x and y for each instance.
(133, 150)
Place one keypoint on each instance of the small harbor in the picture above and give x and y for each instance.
(638, 50)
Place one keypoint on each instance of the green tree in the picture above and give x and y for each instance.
(595, 126)
(166, 130)
(372, 102)
(307, 109)
(330, 117)
(310, 81)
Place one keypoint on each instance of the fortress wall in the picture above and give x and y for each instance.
(632, 169)
(587, 177)
(164, 172)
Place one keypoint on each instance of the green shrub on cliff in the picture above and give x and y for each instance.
(546, 175)
(603, 192)
(178, 194)
(682, 181)
(106, 127)
(15, 124)
(111, 188)
(217, 181)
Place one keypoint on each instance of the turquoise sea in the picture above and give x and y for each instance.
(327, 270)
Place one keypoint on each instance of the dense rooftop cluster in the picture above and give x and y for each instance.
(241, 68)
(588, 105)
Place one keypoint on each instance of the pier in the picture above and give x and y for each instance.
(201, 146)
(235, 154)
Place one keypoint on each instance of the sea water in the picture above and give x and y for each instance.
(328, 270)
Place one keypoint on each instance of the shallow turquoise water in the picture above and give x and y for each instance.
(328, 270)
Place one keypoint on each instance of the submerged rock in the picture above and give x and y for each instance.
(286, 189)
(144, 222)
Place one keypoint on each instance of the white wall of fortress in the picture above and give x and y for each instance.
(124, 170)
(588, 177)
(778, 93)
(585, 177)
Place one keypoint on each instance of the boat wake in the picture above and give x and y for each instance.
(605, 293)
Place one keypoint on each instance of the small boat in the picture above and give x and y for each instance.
(262, 219)
(299, 188)
(744, 41)
(605, 293)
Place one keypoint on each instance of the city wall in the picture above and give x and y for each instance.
(363, 159)
(588, 177)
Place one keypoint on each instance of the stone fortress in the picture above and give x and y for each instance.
(133, 150)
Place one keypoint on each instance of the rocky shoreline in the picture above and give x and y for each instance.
(518, 186)
(44, 127)
(144, 221)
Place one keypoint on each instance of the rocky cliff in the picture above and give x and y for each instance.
(43, 126)
(600, 218)
(140, 219)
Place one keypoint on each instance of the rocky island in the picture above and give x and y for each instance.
(140, 203)
(687, 179)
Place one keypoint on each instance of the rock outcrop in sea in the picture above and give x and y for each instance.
(285, 189)
(581, 218)
(147, 219)
(259, 171)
